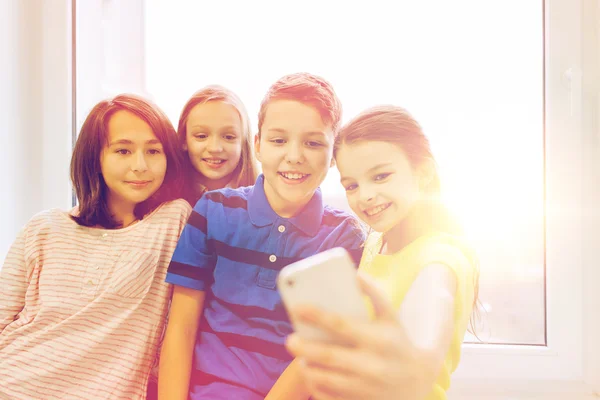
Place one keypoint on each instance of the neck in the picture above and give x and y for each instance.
(213, 184)
(123, 213)
(402, 234)
(425, 217)
(281, 207)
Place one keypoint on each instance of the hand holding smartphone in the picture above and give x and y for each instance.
(327, 281)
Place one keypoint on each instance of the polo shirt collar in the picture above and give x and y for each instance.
(261, 213)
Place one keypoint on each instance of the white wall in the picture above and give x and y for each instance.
(35, 111)
(591, 127)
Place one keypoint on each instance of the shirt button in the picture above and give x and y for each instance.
(281, 228)
(104, 235)
(272, 258)
(96, 267)
(90, 282)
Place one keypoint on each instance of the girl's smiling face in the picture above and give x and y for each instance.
(214, 141)
(381, 184)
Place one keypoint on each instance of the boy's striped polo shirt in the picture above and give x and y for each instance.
(233, 247)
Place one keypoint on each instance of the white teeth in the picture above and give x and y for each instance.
(213, 161)
(292, 175)
(376, 210)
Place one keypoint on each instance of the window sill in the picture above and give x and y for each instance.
(520, 390)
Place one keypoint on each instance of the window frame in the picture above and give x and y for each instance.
(571, 361)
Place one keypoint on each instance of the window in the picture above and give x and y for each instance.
(495, 86)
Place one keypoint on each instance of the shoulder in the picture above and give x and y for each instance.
(335, 217)
(450, 250)
(344, 227)
(227, 197)
(371, 248)
(44, 225)
(50, 219)
(175, 209)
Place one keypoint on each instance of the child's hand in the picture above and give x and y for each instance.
(380, 363)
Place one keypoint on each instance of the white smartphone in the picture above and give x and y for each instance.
(327, 281)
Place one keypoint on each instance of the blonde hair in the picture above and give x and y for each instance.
(246, 171)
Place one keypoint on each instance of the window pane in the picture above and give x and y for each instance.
(470, 71)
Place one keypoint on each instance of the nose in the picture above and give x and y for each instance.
(214, 144)
(139, 162)
(294, 154)
(366, 194)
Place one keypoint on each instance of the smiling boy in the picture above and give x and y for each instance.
(227, 326)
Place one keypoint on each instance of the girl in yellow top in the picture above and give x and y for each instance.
(421, 277)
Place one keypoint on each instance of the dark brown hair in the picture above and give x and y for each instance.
(86, 172)
(309, 89)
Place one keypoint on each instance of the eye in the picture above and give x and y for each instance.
(200, 135)
(351, 187)
(381, 177)
(312, 143)
(154, 151)
(229, 136)
(122, 151)
(277, 141)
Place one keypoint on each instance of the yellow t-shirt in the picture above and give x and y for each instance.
(396, 273)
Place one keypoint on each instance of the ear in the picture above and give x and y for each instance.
(257, 146)
(185, 148)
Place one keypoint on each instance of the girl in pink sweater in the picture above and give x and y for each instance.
(82, 293)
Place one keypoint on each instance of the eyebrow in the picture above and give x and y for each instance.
(376, 167)
(207, 127)
(281, 130)
(127, 141)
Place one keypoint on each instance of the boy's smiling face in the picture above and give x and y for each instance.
(295, 149)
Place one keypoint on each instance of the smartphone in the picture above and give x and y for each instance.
(327, 281)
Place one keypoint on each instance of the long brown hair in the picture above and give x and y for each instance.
(246, 172)
(86, 172)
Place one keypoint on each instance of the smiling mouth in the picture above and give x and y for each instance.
(215, 161)
(138, 184)
(293, 176)
(373, 211)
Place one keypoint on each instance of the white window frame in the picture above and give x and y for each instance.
(569, 367)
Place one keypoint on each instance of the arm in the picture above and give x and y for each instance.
(178, 347)
(190, 271)
(427, 318)
(290, 385)
(13, 282)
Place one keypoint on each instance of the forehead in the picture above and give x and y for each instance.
(124, 125)
(358, 158)
(294, 117)
(214, 112)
